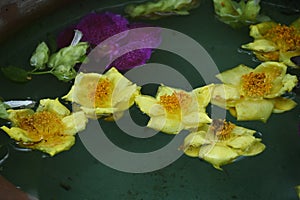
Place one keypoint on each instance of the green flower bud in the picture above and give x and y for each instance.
(40, 56)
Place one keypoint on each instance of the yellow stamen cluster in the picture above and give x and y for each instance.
(103, 93)
(221, 129)
(287, 38)
(256, 84)
(175, 102)
(41, 125)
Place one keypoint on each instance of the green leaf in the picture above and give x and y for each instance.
(40, 56)
(3, 112)
(16, 74)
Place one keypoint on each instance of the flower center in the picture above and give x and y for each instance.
(287, 38)
(41, 125)
(175, 102)
(256, 84)
(103, 93)
(221, 129)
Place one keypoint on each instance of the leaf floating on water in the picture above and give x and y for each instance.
(16, 74)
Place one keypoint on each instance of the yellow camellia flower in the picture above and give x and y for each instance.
(253, 94)
(275, 42)
(51, 128)
(222, 143)
(103, 94)
(173, 110)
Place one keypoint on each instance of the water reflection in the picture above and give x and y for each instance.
(4, 154)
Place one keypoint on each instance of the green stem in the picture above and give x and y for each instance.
(43, 72)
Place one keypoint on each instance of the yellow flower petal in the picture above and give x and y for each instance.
(251, 95)
(54, 145)
(258, 31)
(267, 56)
(50, 129)
(241, 142)
(256, 148)
(261, 45)
(195, 119)
(173, 110)
(217, 154)
(233, 76)
(225, 96)
(238, 130)
(285, 57)
(53, 105)
(275, 42)
(19, 134)
(192, 143)
(221, 143)
(165, 125)
(283, 104)
(203, 95)
(149, 105)
(102, 94)
(74, 123)
(256, 109)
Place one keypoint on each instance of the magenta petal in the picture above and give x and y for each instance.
(149, 36)
(132, 59)
(134, 42)
(98, 27)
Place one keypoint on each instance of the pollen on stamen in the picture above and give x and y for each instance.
(170, 102)
(256, 84)
(41, 125)
(287, 38)
(222, 129)
(175, 102)
(102, 93)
